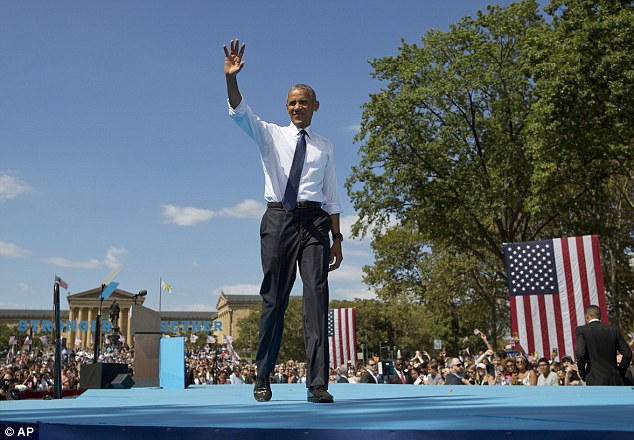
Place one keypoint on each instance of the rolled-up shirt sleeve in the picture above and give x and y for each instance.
(330, 189)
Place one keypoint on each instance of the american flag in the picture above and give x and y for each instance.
(61, 282)
(226, 339)
(551, 282)
(342, 336)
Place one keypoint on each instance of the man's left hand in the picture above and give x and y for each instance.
(336, 256)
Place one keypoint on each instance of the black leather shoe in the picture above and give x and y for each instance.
(262, 391)
(319, 394)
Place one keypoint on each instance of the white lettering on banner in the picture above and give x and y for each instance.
(47, 326)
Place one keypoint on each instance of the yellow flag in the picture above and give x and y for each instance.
(165, 286)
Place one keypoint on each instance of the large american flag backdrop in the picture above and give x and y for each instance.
(342, 336)
(551, 282)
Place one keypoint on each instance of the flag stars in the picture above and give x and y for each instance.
(531, 268)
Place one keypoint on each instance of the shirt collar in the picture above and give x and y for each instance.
(296, 130)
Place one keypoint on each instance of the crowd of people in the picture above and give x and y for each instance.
(33, 371)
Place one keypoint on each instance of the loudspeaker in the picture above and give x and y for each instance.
(99, 376)
(122, 381)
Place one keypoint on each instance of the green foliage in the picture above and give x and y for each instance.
(380, 324)
(292, 341)
(445, 153)
(5, 333)
(582, 132)
(444, 145)
(506, 128)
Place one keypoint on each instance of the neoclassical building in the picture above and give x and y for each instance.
(86, 306)
(79, 322)
(232, 308)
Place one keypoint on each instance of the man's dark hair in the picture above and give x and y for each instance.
(306, 87)
(593, 312)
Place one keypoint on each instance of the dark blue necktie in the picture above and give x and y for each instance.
(292, 186)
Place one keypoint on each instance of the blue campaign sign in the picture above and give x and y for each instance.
(108, 290)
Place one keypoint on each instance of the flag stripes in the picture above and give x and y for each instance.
(342, 340)
(544, 321)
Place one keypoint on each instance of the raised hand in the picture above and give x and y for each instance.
(233, 58)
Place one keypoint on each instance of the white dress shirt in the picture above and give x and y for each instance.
(318, 182)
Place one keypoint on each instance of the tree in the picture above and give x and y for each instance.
(445, 154)
(582, 132)
(292, 341)
(455, 290)
(5, 334)
(381, 324)
(506, 128)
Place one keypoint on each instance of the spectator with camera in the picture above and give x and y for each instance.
(433, 376)
(482, 376)
(570, 372)
(8, 389)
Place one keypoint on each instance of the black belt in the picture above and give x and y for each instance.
(301, 205)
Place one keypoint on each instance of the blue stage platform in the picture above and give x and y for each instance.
(361, 412)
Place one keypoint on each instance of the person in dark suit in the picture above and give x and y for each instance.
(456, 371)
(400, 376)
(371, 373)
(342, 374)
(278, 376)
(596, 350)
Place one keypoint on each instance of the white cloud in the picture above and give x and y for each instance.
(246, 209)
(355, 128)
(346, 228)
(352, 294)
(12, 250)
(24, 287)
(191, 216)
(111, 261)
(93, 263)
(238, 289)
(349, 252)
(186, 216)
(11, 186)
(346, 273)
(346, 223)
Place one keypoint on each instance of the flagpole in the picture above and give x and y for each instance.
(160, 294)
(58, 343)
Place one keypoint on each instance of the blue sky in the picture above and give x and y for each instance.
(116, 149)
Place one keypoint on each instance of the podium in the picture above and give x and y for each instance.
(145, 325)
(173, 363)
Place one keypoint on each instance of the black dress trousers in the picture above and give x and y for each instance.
(290, 240)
